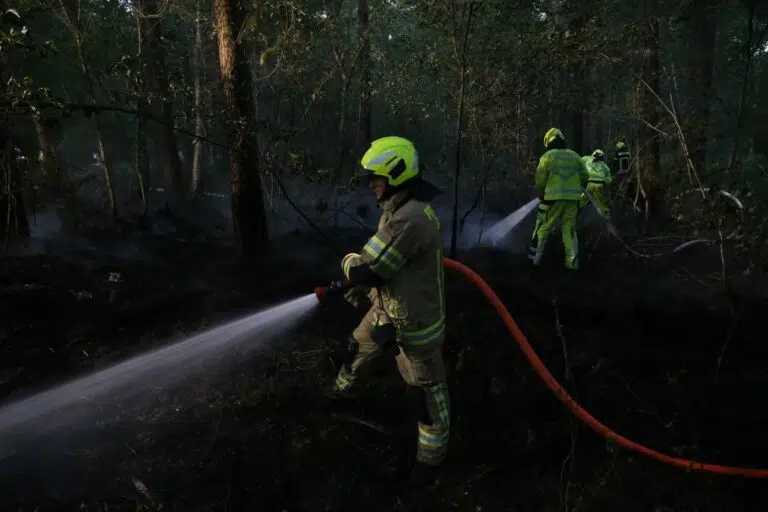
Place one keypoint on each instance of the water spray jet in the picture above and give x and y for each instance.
(65, 407)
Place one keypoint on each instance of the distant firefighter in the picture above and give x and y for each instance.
(561, 176)
(621, 158)
(599, 179)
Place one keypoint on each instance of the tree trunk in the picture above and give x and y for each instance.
(141, 156)
(141, 160)
(156, 80)
(365, 118)
(248, 215)
(704, 34)
(740, 113)
(461, 44)
(197, 157)
(579, 103)
(49, 166)
(342, 155)
(14, 223)
(346, 68)
(648, 145)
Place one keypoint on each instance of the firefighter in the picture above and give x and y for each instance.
(599, 179)
(560, 176)
(621, 158)
(400, 271)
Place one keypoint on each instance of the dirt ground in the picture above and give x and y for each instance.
(639, 343)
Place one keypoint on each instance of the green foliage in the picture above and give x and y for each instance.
(527, 66)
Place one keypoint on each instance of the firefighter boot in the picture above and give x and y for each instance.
(423, 475)
(343, 389)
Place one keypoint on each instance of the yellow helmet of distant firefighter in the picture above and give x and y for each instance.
(552, 135)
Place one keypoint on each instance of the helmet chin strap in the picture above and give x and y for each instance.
(390, 191)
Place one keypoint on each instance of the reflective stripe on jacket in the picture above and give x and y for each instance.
(599, 172)
(407, 251)
(561, 174)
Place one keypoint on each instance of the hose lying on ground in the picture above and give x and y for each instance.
(572, 405)
(556, 387)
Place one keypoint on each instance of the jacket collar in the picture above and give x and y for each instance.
(395, 201)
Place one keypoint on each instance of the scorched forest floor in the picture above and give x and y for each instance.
(639, 343)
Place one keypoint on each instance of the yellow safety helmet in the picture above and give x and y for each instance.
(393, 158)
(551, 135)
(620, 145)
(598, 153)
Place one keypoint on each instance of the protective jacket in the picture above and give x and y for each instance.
(407, 254)
(599, 172)
(561, 174)
(622, 159)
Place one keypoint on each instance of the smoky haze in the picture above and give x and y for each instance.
(50, 425)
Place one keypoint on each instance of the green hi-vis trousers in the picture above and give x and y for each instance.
(421, 367)
(597, 191)
(548, 214)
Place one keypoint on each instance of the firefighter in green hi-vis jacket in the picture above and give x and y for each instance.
(561, 176)
(599, 179)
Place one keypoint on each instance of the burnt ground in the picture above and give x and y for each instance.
(638, 345)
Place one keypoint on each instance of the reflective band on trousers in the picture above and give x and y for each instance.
(417, 338)
(428, 439)
(342, 383)
(427, 335)
(562, 191)
(437, 393)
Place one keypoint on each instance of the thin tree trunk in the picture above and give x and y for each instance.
(141, 160)
(156, 82)
(649, 147)
(197, 157)
(49, 166)
(365, 118)
(90, 84)
(461, 44)
(702, 47)
(98, 129)
(748, 51)
(141, 156)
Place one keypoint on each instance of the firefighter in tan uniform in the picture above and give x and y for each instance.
(400, 270)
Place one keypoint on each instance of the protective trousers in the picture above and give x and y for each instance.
(597, 191)
(546, 218)
(421, 367)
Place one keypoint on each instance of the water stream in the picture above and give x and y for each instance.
(76, 404)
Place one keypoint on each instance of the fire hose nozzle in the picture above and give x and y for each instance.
(333, 288)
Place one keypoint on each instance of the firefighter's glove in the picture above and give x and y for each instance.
(357, 296)
(385, 336)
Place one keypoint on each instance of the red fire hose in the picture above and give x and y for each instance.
(572, 405)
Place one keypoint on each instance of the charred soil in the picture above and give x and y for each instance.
(660, 354)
